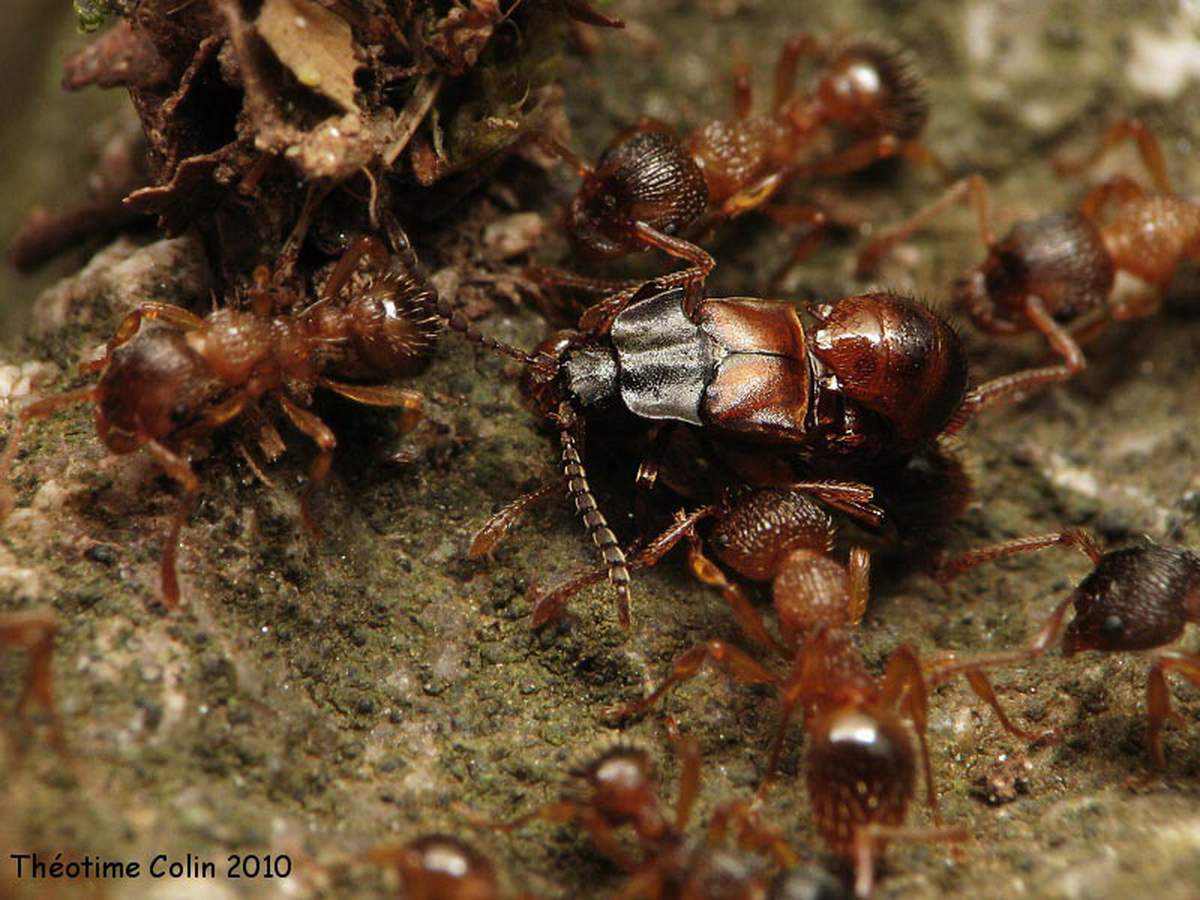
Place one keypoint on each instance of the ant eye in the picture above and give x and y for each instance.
(1112, 627)
(179, 412)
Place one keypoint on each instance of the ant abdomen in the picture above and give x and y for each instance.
(860, 771)
(647, 177)
(894, 357)
(871, 87)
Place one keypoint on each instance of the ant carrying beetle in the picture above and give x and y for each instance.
(651, 182)
(162, 389)
(878, 378)
(1136, 598)
(1056, 274)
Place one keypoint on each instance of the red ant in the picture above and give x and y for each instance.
(651, 183)
(162, 389)
(617, 789)
(860, 766)
(34, 633)
(1136, 598)
(878, 378)
(440, 867)
(1055, 274)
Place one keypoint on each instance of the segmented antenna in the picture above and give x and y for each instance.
(593, 520)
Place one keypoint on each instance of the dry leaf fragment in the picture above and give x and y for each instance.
(316, 44)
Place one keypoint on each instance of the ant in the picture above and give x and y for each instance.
(878, 378)
(162, 389)
(1056, 274)
(34, 633)
(652, 183)
(617, 789)
(440, 867)
(860, 765)
(1135, 598)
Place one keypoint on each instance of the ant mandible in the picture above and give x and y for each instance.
(162, 389)
(1056, 274)
(860, 766)
(651, 183)
(1134, 599)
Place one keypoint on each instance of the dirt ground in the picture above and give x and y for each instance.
(315, 699)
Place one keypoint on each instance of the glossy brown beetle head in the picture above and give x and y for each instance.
(155, 385)
(1137, 598)
(646, 177)
(871, 87)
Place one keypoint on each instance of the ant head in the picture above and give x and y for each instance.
(155, 385)
(871, 87)
(645, 177)
(1135, 599)
(620, 786)
(438, 865)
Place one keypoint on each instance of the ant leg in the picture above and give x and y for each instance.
(559, 150)
(1121, 188)
(312, 426)
(34, 633)
(377, 395)
(1074, 537)
(178, 468)
(904, 688)
(1003, 390)
(550, 605)
(737, 664)
(743, 92)
(687, 750)
(855, 157)
(860, 584)
(164, 312)
(1158, 701)
(364, 245)
(743, 612)
(870, 840)
(1149, 150)
(497, 526)
(796, 48)
(972, 189)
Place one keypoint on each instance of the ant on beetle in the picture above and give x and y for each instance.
(1136, 598)
(860, 766)
(1056, 274)
(878, 378)
(652, 183)
(162, 389)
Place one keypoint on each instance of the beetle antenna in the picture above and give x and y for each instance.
(593, 519)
